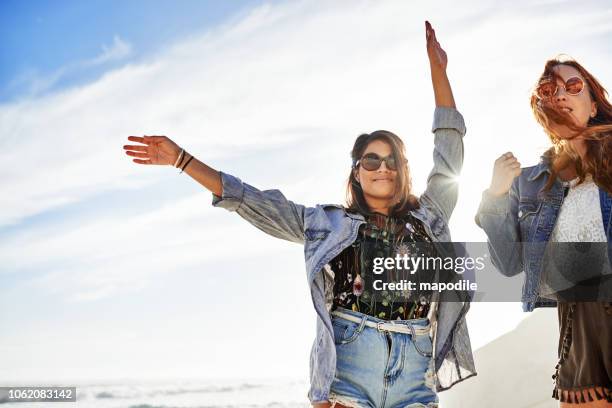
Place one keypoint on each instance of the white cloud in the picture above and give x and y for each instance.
(117, 51)
(33, 83)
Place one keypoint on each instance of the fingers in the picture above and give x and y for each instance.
(143, 155)
(138, 139)
(142, 161)
(430, 33)
(146, 139)
(154, 139)
(508, 161)
(136, 148)
(505, 156)
(512, 163)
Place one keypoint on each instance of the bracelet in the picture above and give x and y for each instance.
(180, 156)
(184, 157)
(186, 164)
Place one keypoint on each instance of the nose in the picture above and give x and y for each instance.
(561, 94)
(383, 164)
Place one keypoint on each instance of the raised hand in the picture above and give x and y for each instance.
(158, 150)
(443, 93)
(506, 168)
(437, 56)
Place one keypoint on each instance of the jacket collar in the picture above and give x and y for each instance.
(542, 167)
(355, 216)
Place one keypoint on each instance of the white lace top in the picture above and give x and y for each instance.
(580, 217)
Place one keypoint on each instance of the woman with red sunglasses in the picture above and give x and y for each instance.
(534, 217)
(372, 348)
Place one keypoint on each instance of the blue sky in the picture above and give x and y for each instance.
(39, 37)
(129, 271)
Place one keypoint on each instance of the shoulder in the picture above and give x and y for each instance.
(537, 172)
(329, 217)
(340, 210)
(530, 172)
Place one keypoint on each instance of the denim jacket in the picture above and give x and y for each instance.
(527, 214)
(327, 229)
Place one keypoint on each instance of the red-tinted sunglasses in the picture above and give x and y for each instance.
(548, 88)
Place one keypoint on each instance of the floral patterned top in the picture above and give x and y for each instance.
(382, 236)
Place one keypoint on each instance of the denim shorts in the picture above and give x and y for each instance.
(382, 369)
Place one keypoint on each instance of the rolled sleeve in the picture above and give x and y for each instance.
(492, 205)
(448, 118)
(268, 210)
(495, 204)
(232, 194)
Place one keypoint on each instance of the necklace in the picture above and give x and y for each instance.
(385, 231)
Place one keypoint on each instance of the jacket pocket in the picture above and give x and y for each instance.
(314, 239)
(314, 234)
(528, 210)
(528, 207)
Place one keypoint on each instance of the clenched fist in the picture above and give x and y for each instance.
(505, 170)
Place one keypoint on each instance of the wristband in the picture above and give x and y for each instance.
(186, 164)
(178, 159)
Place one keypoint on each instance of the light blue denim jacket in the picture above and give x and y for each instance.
(527, 214)
(326, 229)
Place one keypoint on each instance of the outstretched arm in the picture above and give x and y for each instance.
(267, 210)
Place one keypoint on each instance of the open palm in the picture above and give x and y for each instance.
(437, 56)
(156, 150)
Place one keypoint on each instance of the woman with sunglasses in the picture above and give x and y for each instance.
(392, 351)
(566, 198)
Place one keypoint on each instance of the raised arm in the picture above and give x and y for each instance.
(498, 216)
(448, 127)
(267, 210)
(437, 64)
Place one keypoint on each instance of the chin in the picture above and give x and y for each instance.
(383, 196)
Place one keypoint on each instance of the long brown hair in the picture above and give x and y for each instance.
(403, 198)
(597, 133)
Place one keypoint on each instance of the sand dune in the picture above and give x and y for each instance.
(515, 370)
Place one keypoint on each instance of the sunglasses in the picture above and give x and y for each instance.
(372, 161)
(547, 88)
